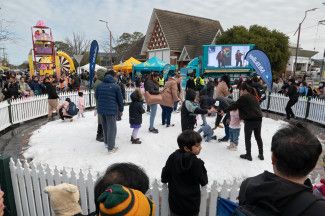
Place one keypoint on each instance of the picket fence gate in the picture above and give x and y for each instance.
(29, 182)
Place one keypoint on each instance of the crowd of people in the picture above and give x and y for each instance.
(21, 85)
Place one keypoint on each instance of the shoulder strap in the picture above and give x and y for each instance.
(300, 203)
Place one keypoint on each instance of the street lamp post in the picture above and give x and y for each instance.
(298, 40)
(110, 42)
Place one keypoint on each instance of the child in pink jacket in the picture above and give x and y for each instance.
(81, 104)
(234, 130)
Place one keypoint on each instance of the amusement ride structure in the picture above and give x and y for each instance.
(44, 58)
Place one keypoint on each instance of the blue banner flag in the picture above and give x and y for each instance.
(261, 63)
(92, 61)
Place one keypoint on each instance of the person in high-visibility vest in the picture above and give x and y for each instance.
(161, 81)
(199, 83)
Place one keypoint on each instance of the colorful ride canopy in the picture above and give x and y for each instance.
(127, 65)
(153, 64)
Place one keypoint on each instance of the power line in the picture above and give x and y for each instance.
(302, 28)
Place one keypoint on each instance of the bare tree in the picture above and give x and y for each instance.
(78, 43)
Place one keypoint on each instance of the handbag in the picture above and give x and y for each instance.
(152, 99)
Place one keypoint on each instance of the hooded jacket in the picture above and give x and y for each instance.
(136, 110)
(184, 173)
(249, 108)
(109, 97)
(269, 189)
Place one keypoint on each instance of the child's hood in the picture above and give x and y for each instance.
(184, 161)
(135, 97)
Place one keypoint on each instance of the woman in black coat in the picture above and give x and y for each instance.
(135, 114)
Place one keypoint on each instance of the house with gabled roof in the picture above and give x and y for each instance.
(177, 38)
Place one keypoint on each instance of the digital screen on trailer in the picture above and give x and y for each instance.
(227, 56)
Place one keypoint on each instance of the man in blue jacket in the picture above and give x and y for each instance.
(109, 106)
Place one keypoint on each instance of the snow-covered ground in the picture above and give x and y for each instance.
(73, 145)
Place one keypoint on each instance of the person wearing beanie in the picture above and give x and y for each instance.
(64, 199)
(120, 200)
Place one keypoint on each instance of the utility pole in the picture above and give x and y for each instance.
(110, 42)
(110, 48)
(298, 40)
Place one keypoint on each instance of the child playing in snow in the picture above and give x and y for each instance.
(234, 130)
(185, 173)
(81, 105)
(190, 109)
(135, 114)
(207, 132)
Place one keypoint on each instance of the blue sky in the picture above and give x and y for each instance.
(66, 17)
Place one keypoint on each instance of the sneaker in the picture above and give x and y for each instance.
(112, 150)
(231, 145)
(171, 125)
(234, 148)
(261, 157)
(153, 130)
(223, 140)
(246, 156)
(214, 137)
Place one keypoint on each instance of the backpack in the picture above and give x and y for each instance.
(296, 206)
(72, 109)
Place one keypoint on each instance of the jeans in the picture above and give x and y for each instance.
(166, 114)
(234, 135)
(175, 106)
(204, 119)
(225, 123)
(289, 111)
(153, 108)
(249, 127)
(109, 130)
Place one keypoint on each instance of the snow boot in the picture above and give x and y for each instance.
(246, 156)
(132, 139)
(136, 141)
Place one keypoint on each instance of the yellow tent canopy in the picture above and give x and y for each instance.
(127, 65)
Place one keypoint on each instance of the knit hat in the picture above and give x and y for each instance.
(64, 199)
(119, 200)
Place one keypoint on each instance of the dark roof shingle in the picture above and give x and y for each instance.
(182, 29)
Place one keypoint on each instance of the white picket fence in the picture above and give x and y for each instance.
(24, 109)
(29, 182)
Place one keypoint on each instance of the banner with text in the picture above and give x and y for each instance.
(92, 61)
(261, 63)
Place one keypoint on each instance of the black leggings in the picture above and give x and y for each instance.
(249, 127)
(289, 111)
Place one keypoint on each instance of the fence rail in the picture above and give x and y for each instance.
(24, 109)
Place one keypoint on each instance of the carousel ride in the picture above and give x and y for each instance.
(44, 59)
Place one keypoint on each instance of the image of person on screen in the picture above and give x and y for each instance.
(221, 59)
(238, 57)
